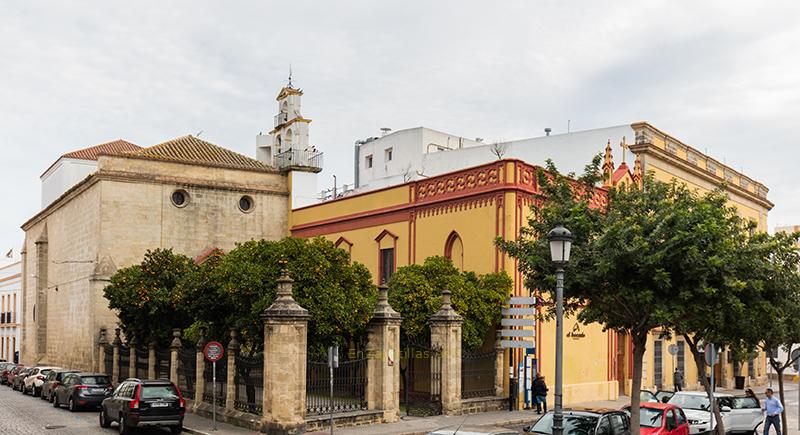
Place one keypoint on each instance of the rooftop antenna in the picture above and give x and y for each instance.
(199, 133)
(385, 131)
(547, 131)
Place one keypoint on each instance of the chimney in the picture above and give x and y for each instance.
(547, 131)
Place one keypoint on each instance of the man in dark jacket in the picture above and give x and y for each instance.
(540, 393)
(677, 380)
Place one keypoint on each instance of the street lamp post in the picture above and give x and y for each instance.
(560, 243)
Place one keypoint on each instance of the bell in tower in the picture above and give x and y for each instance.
(287, 143)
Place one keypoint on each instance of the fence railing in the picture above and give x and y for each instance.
(108, 361)
(222, 376)
(349, 387)
(187, 369)
(250, 384)
(142, 363)
(163, 363)
(477, 374)
(124, 363)
(301, 158)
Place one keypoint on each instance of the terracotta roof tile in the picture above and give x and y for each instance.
(92, 153)
(192, 150)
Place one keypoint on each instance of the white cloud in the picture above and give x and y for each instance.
(719, 75)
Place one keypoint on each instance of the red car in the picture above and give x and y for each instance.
(661, 419)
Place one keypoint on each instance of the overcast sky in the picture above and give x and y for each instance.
(721, 76)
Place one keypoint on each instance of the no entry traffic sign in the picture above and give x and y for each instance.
(213, 351)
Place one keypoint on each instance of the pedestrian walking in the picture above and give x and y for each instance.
(749, 393)
(677, 380)
(540, 393)
(773, 408)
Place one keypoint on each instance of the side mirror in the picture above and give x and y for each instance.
(725, 409)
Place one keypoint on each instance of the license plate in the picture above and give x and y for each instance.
(159, 404)
(97, 390)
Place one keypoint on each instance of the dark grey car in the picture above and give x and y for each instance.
(82, 390)
(52, 381)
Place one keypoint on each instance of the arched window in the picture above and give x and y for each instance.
(454, 250)
(387, 260)
(284, 107)
(288, 137)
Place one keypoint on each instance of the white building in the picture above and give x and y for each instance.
(420, 152)
(10, 302)
(74, 166)
(287, 147)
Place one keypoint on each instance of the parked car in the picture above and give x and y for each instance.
(585, 421)
(18, 376)
(82, 390)
(4, 370)
(657, 418)
(11, 373)
(138, 403)
(661, 396)
(473, 430)
(53, 380)
(33, 382)
(739, 414)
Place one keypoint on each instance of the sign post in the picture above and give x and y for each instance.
(333, 363)
(518, 333)
(213, 352)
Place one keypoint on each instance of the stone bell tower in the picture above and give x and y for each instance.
(290, 128)
(287, 148)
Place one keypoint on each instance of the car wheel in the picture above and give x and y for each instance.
(71, 405)
(52, 396)
(123, 426)
(55, 403)
(104, 419)
(176, 429)
(37, 393)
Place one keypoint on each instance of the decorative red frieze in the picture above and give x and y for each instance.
(471, 181)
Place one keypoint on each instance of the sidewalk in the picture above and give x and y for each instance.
(197, 425)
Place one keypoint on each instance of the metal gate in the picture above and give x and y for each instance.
(421, 373)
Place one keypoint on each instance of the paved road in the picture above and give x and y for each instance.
(26, 415)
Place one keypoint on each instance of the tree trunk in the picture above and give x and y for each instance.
(700, 362)
(639, 345)
(779, 368)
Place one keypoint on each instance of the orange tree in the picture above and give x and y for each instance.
(145, 299)
(415, 291)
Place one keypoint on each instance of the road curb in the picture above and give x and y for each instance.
(194, 431)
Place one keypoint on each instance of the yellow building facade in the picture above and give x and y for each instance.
(460, 214)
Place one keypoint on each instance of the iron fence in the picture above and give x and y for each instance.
(108, 361)
(349, 387)
(163, 357)
(187, 368)
(222, 377)
(142, 363)
(477, 374)
(250, 384)
(124, 363)
(421, 380)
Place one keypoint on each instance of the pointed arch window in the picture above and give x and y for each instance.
(454, 250)
(345, 244)
(387, 258)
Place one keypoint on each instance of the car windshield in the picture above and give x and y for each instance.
(687, 401)
(94, 380)
(159, 392)
(573, 424)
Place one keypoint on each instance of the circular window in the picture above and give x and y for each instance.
(246, 204)
(180, 198)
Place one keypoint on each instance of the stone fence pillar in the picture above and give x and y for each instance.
(233, 350)
(446, 335)
(285, 347)
(132, 358)
(174, 348)
(117, 343)
(200, 369)
(499, 367)
(383, 363)
(101, 352)
(151, 360)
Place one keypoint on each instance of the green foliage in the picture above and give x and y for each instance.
(415, 291)
(232, 291)
(657, 256)
(338, 294)
(146, 297)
